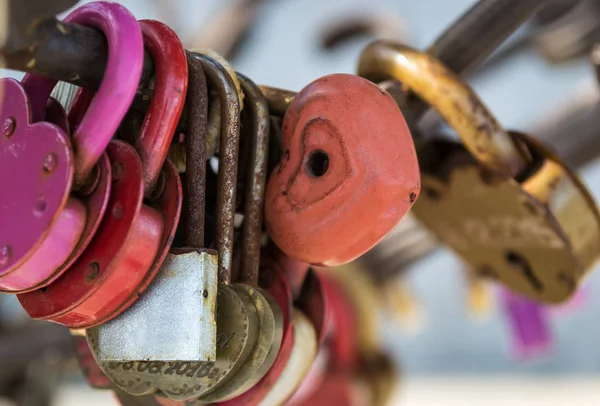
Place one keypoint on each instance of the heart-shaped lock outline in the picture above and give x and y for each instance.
(48, 190)
(335, 167)
(38, 271)
(142, 234)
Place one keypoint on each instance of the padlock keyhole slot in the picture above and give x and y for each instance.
(316, 164)
(521, 264)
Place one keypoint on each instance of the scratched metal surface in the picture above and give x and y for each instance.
(283, 51)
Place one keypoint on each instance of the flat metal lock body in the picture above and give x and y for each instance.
(539, 236)
(158, 326)
(270, 332)
(237, 333)
(174, 319)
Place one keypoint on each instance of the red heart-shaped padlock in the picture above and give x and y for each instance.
(349, 171)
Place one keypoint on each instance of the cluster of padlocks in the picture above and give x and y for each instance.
(198, 248)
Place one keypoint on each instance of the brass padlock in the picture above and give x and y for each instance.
(503, 201)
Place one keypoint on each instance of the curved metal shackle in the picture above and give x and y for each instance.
(451, 97)
(168, 98)
(255, 180)
(196, 158)
(218, 78)
(119, 85)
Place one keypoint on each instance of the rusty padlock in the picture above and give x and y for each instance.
(237, 318)
(179, 305)
(270, 315)
(349, 172)
(114, 97)
(133, 237)
(503, 201)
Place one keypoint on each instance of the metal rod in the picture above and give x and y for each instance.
(473, 37)
(78, 55)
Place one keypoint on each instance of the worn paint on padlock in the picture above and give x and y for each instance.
(539, 236)
(105, 277)
(349, 172)
(237, 324)
(157, 327)
(273, 280)
(36, 209)
(426, 77)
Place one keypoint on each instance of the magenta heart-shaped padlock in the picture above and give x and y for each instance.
(62, 222)
(36, 172)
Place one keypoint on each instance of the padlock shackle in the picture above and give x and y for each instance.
(452, 98)
(38, 89)
(278, 99)
(168, 98)
(118, 87)
(220, 80)
(255, 180)
(196, 154)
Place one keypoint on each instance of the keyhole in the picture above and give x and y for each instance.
(522, 265)
(316, 164)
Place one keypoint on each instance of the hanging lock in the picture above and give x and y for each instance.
(273, 280)
(174, 319)
(349, 172)
(133, 237)
(40, 205)
(504, 202)
(271, 318)
(55, 235)
(248, 321)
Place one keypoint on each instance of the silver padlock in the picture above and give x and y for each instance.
(175, 319)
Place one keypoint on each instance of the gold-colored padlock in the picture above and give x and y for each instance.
(503, 201)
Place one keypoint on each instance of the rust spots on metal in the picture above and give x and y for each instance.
(196, 154)
(255, 180)
(456, 102)
(219, 79)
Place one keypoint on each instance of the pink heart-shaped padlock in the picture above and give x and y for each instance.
(36, 171)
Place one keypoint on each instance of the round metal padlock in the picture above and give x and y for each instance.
(349, 172)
